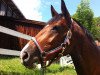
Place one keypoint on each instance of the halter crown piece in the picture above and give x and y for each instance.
(61, 48)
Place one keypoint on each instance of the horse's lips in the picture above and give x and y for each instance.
(30, 66)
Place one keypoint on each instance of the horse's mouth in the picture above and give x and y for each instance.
(29, 66)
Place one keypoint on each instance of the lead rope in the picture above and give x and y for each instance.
(43, 71)
(43, 68)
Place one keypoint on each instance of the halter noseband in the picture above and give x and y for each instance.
(57, 49)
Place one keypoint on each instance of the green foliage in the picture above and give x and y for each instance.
(97, 36)
(84, 15)
(96, 22)
(12, 66)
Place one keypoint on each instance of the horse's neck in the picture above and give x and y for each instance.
(86, 57)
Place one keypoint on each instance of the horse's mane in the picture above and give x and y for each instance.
(88, 34)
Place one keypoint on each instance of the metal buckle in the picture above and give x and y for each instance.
(69, 34)
(63, 45)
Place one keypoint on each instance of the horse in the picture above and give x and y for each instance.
(61, 36)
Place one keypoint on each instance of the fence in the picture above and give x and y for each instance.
(9, 52)
(14, 33)
(63, 61)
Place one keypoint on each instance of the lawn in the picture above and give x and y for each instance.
(12, 66)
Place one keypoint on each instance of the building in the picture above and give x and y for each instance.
(8, 8)
(12, 18)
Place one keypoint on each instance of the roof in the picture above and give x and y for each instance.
(25, 21)
(33, 22)
(14, 8)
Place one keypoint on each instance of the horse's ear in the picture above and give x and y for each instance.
(53, 11)
(65, 13)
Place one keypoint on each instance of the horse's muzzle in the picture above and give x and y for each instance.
(25, 60)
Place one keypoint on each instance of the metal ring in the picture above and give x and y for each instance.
(63, 45)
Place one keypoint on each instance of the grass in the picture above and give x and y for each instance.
(12, 66)
(55, 69)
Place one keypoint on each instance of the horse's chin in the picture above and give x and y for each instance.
(31, 66)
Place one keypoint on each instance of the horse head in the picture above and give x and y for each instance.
(53, 39)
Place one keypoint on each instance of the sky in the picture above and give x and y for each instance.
(39, 10)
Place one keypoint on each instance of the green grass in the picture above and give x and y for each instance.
(12, 66)
(55, 69)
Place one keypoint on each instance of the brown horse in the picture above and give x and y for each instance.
(61, 36)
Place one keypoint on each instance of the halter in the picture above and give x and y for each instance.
(59, 49)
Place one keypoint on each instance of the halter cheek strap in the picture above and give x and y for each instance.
(37, 44)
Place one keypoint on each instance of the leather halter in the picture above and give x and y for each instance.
(57, 49)
(60, 48)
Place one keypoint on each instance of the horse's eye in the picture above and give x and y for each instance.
(56, 28)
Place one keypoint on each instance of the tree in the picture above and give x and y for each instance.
(84, 14)
(96, 22)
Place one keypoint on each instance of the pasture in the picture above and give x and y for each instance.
(12, 66)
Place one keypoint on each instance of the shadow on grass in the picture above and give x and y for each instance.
(7, 57)
(9, 73)
(17, 73)
(60, 69)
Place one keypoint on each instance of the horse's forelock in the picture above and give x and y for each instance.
(55, 18)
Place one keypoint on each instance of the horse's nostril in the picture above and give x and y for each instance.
(25, 55)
